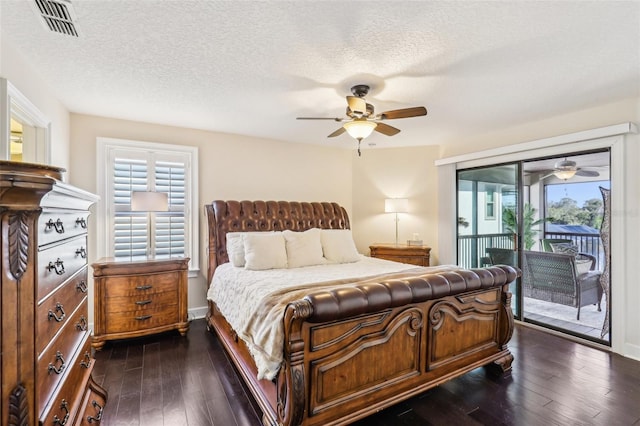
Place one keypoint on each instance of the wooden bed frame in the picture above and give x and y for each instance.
(354, 352)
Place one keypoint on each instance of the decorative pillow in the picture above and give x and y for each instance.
(338, 246)
(303, 248)
(582, 262)
(566, 248)
(235, 247)
(265, 250)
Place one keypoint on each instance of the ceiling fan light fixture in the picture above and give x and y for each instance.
(359, 129)
(564, 174)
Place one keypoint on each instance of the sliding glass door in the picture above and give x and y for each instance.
(549, 217)
(488, 207)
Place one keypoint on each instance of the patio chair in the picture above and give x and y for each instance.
(501, 256)
(552, 277)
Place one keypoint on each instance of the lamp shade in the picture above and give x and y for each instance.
(149, 201)
(359, 129)
(396, 205)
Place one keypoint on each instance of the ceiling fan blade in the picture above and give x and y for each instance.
(403, 113)
(385, 129)
(357, 104)
(338, 132)
(587, 173)
(320, 118)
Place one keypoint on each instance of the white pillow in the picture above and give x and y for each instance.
(265, 250)
(338, 246)
(235, 247)
(303, 248)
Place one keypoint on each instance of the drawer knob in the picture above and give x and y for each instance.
(143, 317)
(52, 367)
(82, 324)
(59, 308)
(63, 406)
(82, 286)
(87, 363)
(83, 223)
(98, 416)
(82, 252)
(57, 266)
(142, 302)
(144, 287)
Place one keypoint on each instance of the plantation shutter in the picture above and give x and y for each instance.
(162, 232)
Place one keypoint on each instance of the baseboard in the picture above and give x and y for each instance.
(198, 313)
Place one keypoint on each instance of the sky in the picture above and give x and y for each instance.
(578, 191)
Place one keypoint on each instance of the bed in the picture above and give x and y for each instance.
(350, 347)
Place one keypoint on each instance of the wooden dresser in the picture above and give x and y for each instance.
(46, 353)
(415, 255)
(135, 298)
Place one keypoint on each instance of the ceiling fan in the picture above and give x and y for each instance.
(566, 169)
(361, 119)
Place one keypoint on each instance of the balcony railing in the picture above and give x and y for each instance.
(472, 248)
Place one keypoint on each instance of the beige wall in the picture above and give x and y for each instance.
(395, 173)
(230, 167)
(28, 82)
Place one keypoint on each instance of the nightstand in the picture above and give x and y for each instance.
(134, 298)
(415, 255)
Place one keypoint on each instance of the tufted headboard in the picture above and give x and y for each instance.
(243, 216)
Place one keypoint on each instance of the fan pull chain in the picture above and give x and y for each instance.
(359, 153)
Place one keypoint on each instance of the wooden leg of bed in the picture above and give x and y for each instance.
(500, 368)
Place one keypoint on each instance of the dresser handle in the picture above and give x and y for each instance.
(98, 416)
(52, 314)
(82, 252)
(82, 286)
(53, 367)
(63, 406)
(83, 223)
(82, 323)
(142, 302)
(57, 266)
(143, 317)
(57, 225)
(86, 364)
(144, 287)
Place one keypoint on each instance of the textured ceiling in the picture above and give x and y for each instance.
(251, 68)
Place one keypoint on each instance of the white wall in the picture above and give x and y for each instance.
(231, 167)
(395, 173)
(27, 80)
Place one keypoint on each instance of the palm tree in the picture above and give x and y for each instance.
(510, 223)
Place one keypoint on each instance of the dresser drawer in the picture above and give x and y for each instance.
(91, 409)
(67, 399)
(54, 311)
(58, 262)
(59, 355)
(58, 225)
(143, 319)
(141, 285)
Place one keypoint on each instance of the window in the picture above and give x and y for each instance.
(490, 203)
(129, 166)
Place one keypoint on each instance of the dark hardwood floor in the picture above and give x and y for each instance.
(172, 380)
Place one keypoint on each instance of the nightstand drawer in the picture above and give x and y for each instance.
(143, 285)
(141, 320)
(141, 303)
(414, 255)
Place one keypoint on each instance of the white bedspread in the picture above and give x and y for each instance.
(253, 302)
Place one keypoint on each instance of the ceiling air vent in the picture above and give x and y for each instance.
(57, 16)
